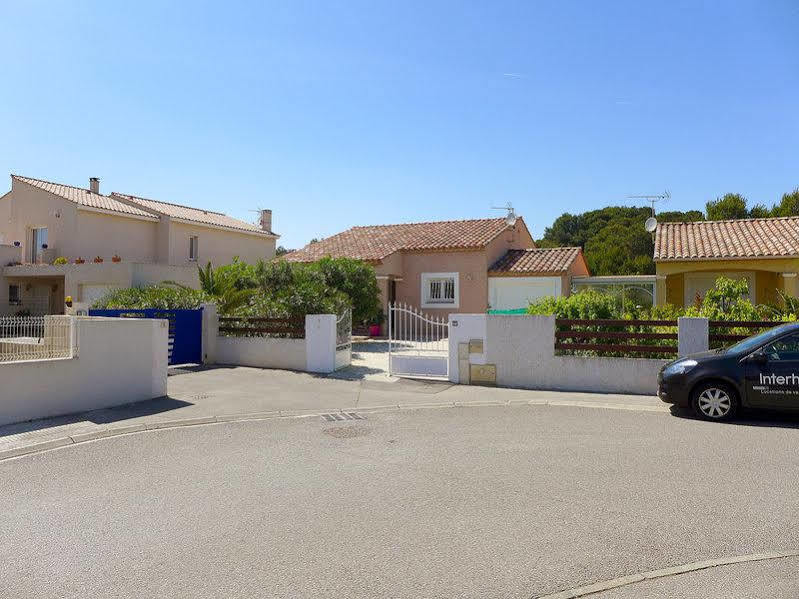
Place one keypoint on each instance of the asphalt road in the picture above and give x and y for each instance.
(455, 502)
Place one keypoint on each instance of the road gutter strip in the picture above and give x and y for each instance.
(105, 433)
(613, 583)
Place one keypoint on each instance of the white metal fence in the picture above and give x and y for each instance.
(418, 344)
(35, 338)
(344, 330)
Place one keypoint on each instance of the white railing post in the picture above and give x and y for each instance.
(390, 318)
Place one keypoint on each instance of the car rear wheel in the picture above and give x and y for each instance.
(715, 401)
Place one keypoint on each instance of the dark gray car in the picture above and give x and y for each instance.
(762, 371)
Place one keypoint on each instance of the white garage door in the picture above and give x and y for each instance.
(91, 293)
(512, 293)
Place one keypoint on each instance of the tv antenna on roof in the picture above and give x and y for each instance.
(258, 211)
(653, 199)
(510, 217)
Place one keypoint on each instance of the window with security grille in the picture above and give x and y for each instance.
(439, 289)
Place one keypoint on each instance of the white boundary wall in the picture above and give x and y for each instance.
(118, 361)
(261, 352)
(316, 353)
(523, 350)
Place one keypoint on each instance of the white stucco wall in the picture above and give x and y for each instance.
(261, 352)
(153, 274)
(462, 328)
(693, 335)
(217, 246)
(118, 361)
(320, 337)
(523, 350)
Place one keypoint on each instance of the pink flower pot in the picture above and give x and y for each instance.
(374, 330)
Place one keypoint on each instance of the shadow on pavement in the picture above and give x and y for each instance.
(189, 368)
(104, 416)
(748, 417)
(353, 373)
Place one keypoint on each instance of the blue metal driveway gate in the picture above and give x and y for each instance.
(185, 330)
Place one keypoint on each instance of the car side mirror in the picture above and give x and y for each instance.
(757, 358)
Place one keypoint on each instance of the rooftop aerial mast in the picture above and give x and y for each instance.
(653, 199)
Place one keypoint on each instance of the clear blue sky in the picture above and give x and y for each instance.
(346, 113)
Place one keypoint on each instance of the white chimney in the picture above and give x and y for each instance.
(266, 220)
(94, 185)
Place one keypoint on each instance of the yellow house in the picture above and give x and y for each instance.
(690, 256)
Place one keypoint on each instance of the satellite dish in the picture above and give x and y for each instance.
(510, 219)
(651, 224)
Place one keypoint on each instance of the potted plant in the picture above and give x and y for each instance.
(60, 260)
(98, 260)
(44, 246)
(79, 260)
(116, 258)
(374, 328)
(68, 301)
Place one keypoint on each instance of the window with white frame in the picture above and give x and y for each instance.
(194, 247)
(440, 290)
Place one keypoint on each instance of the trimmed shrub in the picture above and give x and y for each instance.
(161, 297)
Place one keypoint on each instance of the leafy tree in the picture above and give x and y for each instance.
(291, 290)
(676, 216)
(577, 229)
(613, 238)
(789, 204)
(729, 206)
(760, 211)
(623, 247)
(239, 274)
(281, 251)
(336, 281)
(357, 280)
(221, 289)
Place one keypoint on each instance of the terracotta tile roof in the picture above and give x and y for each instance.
(197, 215)
(83, 197)
(536, 260)
(377, 242)
(746, 238)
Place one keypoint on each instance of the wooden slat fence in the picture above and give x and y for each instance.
(290, 328)
(604, 336)
(750, 327)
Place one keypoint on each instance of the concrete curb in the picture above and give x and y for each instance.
(613, 583)
(204, 420)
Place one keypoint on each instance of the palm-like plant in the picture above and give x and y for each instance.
(222, 290)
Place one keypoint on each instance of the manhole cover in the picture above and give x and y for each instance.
(339, 416)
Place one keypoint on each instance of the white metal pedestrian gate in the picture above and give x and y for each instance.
(418, 344)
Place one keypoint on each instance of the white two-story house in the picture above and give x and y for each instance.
(58, 240)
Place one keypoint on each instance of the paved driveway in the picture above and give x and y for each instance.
(238, 392)
(497, 501)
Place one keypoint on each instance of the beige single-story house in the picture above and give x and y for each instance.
(690, 256)
(462, 266)
(108, 241)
